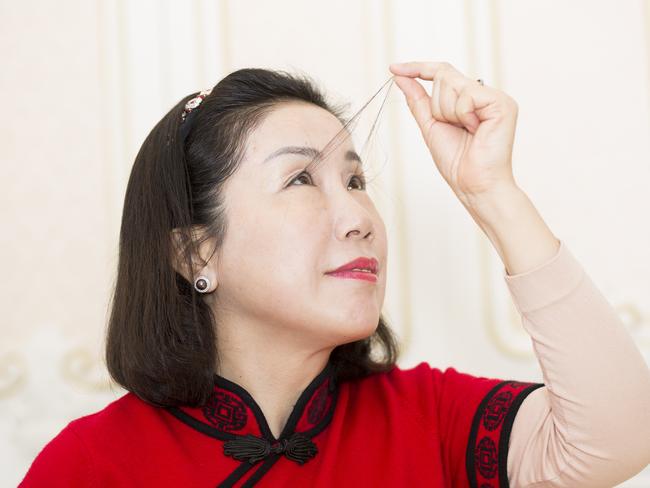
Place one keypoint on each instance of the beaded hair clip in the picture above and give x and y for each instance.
(192, 103)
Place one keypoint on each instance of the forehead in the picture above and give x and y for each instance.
(294, 124)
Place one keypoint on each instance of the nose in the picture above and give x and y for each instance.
(357, 232)
(354, 222)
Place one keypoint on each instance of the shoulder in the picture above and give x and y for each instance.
(429, 390)
(416, 386)
(424, 380)
(69, 459)
(126, 412)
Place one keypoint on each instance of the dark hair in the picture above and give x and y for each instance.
(161, 339)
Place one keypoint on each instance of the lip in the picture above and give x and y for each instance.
(355, 275)
(345, 271)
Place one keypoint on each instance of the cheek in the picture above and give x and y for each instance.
(381, 228)
(277, 245)
(381, 239)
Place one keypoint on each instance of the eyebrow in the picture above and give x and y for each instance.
(308, 151)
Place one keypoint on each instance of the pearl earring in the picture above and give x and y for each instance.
(202, 284)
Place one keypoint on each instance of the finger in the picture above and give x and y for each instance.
(418, 69)
(486, 103)
(417, 99)
(448, 99)
(436, 94)
(465, 111)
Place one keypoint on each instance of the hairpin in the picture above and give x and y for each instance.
(192, 103)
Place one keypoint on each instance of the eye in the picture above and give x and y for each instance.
(300, 176)
(362, 181)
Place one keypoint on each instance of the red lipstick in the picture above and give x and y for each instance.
(361, 268)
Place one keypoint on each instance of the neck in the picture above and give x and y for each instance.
(274, 371)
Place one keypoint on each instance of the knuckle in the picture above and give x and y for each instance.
(509, 103)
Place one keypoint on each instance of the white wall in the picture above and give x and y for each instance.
(83, 82)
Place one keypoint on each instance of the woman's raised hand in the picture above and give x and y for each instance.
(469, 128)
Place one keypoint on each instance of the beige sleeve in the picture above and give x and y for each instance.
(589, 426)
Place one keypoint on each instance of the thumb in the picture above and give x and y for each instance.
(417, 99)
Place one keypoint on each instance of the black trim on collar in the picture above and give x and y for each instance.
(226, 417)
(486, 458)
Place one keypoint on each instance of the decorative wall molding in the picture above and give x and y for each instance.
(13, 374)
(81, 368)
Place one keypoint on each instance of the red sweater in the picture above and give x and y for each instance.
(408, 427)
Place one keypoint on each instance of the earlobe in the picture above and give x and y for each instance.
(206, 280)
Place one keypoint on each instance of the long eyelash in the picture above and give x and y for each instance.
(342, 134)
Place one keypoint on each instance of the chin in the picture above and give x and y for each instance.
(351, 331)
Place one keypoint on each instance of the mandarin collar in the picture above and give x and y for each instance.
(231, 412)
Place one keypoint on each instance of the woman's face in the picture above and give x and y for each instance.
(285, 233)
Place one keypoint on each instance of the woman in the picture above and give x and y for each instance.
(248, 302)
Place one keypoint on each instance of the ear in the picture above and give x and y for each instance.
(204, 260)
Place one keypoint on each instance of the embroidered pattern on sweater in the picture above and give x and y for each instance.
(225, 411)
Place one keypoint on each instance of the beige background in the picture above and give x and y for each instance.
(83, 82)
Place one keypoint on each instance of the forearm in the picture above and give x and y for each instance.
(514, 226)
(592, 421)
(590, 425)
